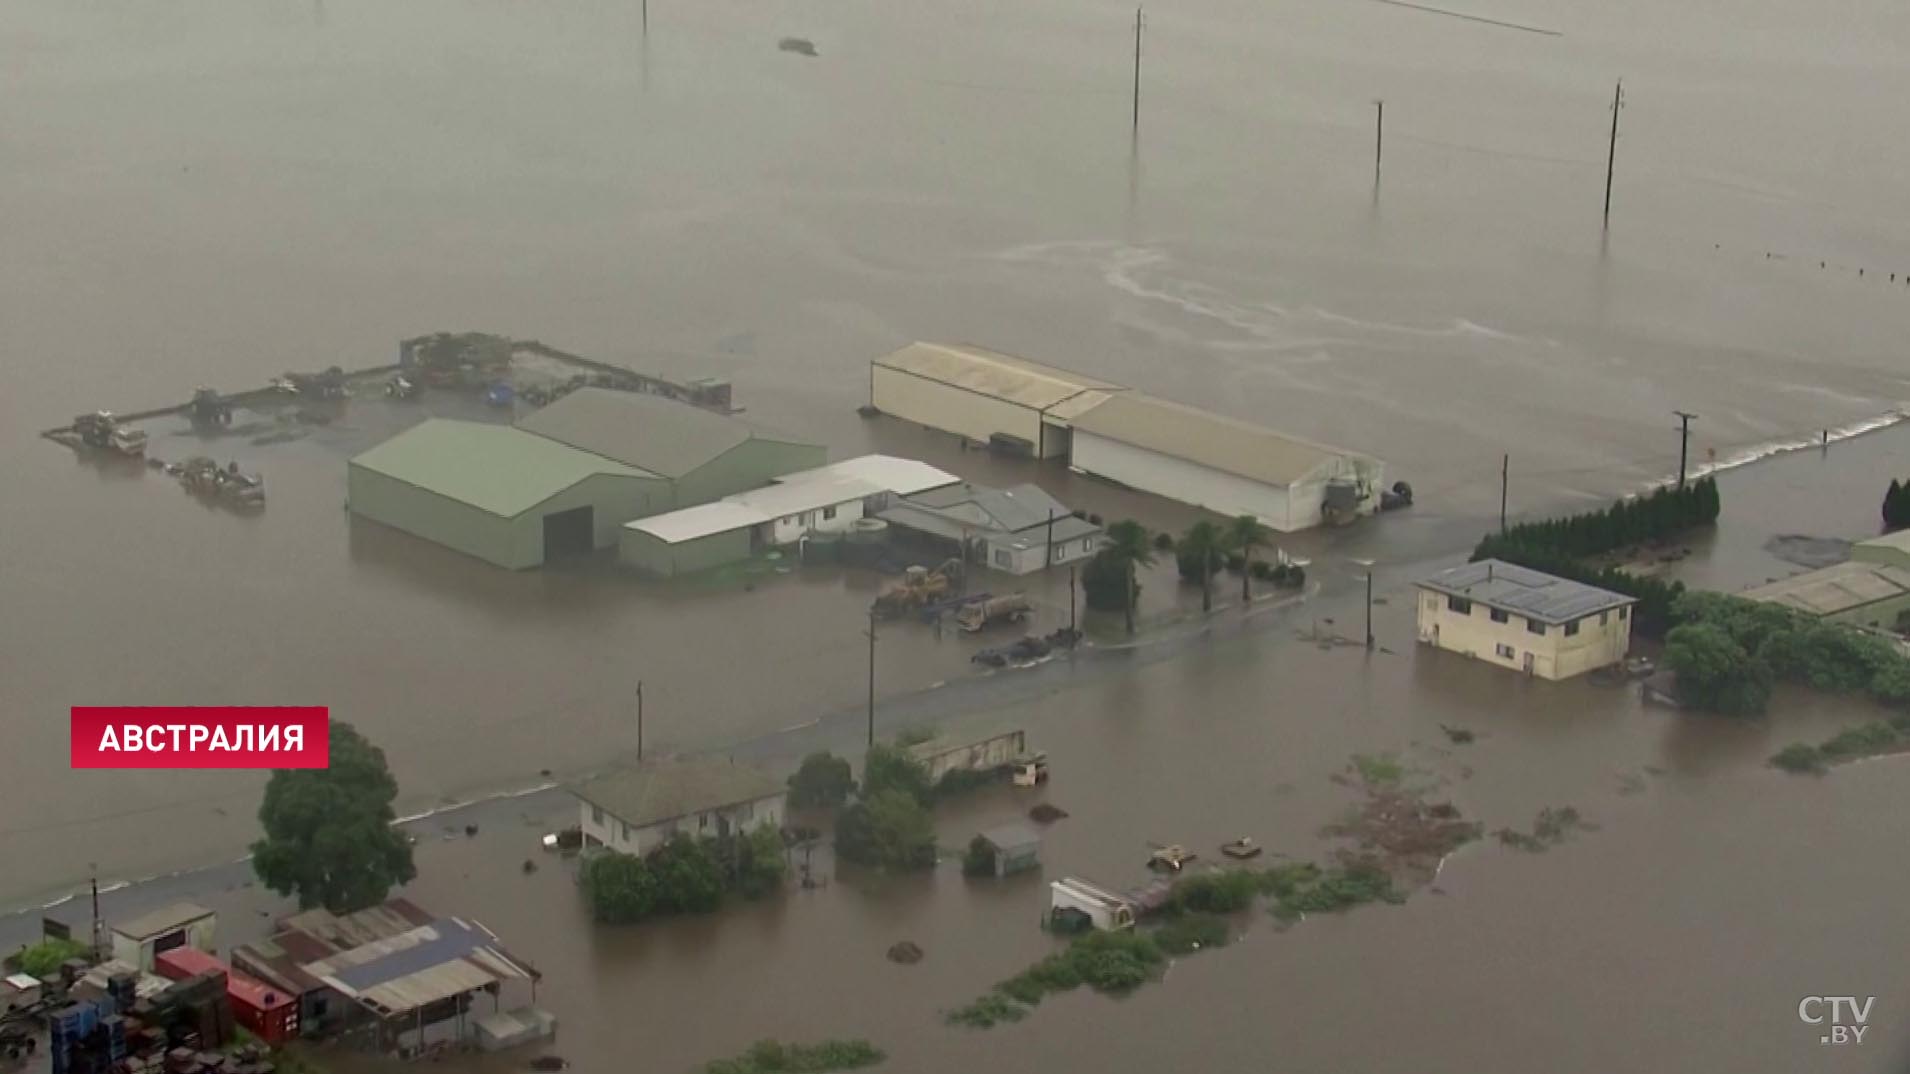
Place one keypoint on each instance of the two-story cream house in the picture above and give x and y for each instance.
(636, 810)
(1524, 620)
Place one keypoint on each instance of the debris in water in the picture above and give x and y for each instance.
(1548, 830)
(529, 866)
(548, 1063)
(470, 830)
(906, 953)
(1805, 551)
(1043, 813)
(1458, 736)
(800, 45)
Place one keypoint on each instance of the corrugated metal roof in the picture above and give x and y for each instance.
(665, 790)
(656, 434)
(703, 520)
(1014, 835)
(1897, 541)
(423, 965)
(780, 500)
(495, 468)
(163, 920)
(903, 477)
(1213, 440)
(1841, 587)
(1544, 597)
(991, 373)
(980, 511)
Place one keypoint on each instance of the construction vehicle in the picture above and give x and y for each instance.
(918, 588)
(205, 478)
(208, 407)
(101, 430)
(1029, 769)
(1013, 608)
(327, 385)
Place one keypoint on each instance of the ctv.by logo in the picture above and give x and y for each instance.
(1845, 1019)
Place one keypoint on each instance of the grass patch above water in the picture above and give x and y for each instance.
(775, 1057)
(1873, 739)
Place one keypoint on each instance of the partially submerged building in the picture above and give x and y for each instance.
(138, 940)
(940, 756)
(827, 499)
(1225, 464)
(1865, 593)
(395, 976)
(1523, 619)
(1017, 530)
(1015, 847)
(635, 810)
(563, 480)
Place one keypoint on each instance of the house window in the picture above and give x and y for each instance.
(749, 810)
(1500, 615)
(1621, 613)
(702, 821)
(1536, 627)
(1571, 628)
(787, 520)
(1603, 618)
(626, 831)
(596, 815)
(1003, 559)
(1506, 652)
(1087, 546)
(1459, 604)
(828, 513)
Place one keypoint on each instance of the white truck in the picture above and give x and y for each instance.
(1102, 908)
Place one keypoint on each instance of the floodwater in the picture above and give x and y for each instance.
(217, 193)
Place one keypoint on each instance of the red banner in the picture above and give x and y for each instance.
(201, 737)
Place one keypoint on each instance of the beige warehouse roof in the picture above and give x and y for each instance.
(1838, 588)
(1221, 443)
(991, 373)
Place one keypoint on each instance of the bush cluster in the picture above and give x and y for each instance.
(683, 876)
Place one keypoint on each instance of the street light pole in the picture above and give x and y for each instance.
(872, 676)
(639, 721)
(1684, 442)
(1369, 607)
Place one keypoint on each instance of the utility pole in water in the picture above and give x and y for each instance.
(1137, 71)
(1611, 152)
(872, 675)
(639, 721)
(1505, 479)
(1684, 442)
(1379, 139)
(1071, 627)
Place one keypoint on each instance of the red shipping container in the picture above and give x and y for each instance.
(268, 1013)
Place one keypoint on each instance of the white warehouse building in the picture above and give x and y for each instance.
(1228, 466)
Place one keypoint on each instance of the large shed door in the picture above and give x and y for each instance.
(571, 533)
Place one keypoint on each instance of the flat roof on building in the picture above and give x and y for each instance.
(792, 498)
(497, 469)
(1216, 441)
(1840, 587)
(656, 434)
(664, 790)
(903, 477)
(991, 373)
(159, 922)
(703, 520)
(1533, 594)
(1014, 835)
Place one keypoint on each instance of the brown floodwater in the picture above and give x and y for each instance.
(222, 192)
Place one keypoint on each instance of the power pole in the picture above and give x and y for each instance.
(1369, 608)
(1071, 627)
(1050, 562)
(1379, 138)
(646, 18)
(1611, 153)
(639, 721)
(1684, 442)
(98, 926)
(872, 676)
(1505, 479)
(1137, 71)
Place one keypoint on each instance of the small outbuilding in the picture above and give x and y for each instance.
(1866, 593)
(1016, 530)
(180, 924)
(1016, 846)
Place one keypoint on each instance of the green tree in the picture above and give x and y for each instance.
(1715, 673)
(688, 878)
(760, 862)
(328, 831)
(979, 858)
(1200, 552)
(1127, 546)
(892, 768)
(620, 889)
(1104, 583)
(1244, 535)
(889, 829)
(823, 782)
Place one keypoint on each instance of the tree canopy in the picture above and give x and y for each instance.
(329, 838)
(1714, 671)
(893, 768)
(890, 829)
(823, 782)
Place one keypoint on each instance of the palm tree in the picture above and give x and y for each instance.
(1244, 534)
(1128, 545)
(1205, 544)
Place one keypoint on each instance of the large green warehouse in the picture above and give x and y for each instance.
(564, 479)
